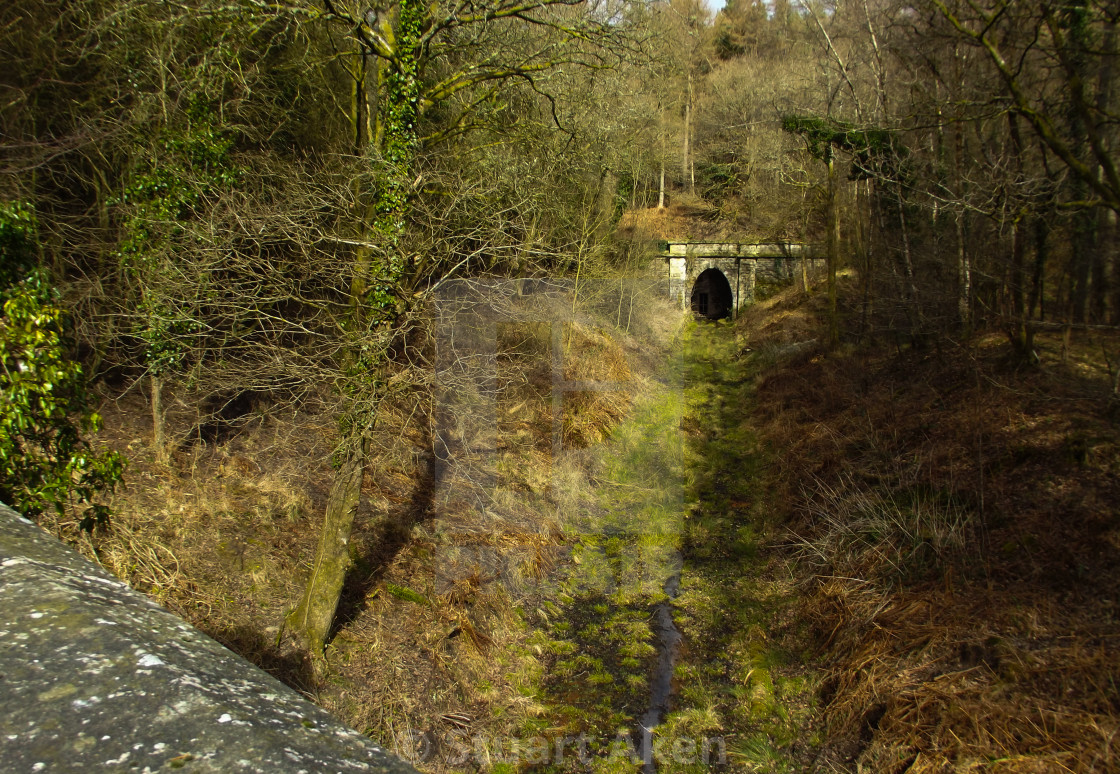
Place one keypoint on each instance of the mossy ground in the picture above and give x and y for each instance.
(741, 679)
(629, 527)
(685, 477)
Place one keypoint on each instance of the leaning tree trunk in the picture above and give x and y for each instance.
(382, 220)
(312, 618)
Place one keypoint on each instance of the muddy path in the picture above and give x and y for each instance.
(667, 639)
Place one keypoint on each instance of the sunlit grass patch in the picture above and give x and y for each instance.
(757, 752)
(623, 509)
(690, 741)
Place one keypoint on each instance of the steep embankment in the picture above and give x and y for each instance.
(954, 513)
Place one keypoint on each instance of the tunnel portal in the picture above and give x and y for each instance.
(711, 295)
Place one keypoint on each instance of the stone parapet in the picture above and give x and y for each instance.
(96, 677)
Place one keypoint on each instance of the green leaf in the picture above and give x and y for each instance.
(43, 401)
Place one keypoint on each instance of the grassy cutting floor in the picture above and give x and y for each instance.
(739, 679)
(598, 635)
(683, 477)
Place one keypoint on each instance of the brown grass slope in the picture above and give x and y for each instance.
(957, 517)
(435, 635)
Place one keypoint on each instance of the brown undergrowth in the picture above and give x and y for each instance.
(689, 219)
(453, 548)
(438, 661)
(957, 518)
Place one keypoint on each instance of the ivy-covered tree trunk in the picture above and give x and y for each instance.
(374, 290)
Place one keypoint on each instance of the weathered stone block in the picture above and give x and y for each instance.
(96, 677)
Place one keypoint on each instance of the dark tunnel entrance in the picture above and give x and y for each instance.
(711, 295)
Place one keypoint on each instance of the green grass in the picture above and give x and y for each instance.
(739, 686)
(599, 631)
(684, 475)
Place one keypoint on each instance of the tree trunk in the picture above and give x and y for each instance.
(1109, 234)
(1083, 260)
(159, 431)
(661, 184)
(804, 236)
(1104, 277)
(382, 220)
(686, 154)
(1020, 338)
(312, 618)
(1084, 248)
(964, 279)
(833, 254)
(964, 264)
(1041, 253)
(1100, 282)
(912, 300)
(867, 221)
(605, 203)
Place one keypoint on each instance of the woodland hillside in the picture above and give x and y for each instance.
(340, 329)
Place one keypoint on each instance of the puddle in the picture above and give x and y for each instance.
(668, 641)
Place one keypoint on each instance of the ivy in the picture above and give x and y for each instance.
(876, 152)
(194, 166)
(44, 405)
(400, 112)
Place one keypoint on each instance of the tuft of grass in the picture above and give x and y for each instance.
(407, 594)
(888, 536)
(758, 752)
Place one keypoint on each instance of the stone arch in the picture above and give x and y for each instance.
(712, 296)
